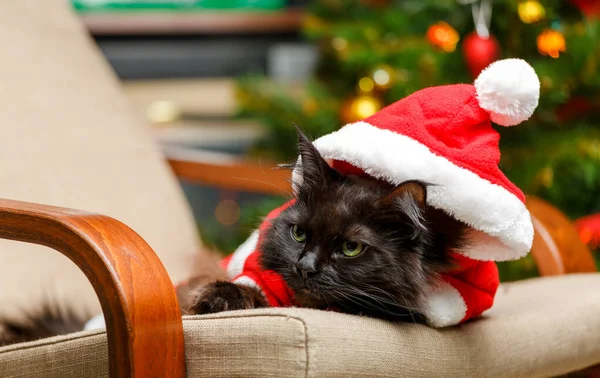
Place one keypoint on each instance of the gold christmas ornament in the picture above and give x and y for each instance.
(366, 85)
(531, 11)
(360, 107)
(551, 42)
(443, 35)
(339, 44)
(383, 76)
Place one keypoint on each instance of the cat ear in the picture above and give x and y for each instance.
(315, 170)
(409, 199)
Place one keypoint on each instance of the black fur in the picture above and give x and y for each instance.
(47, 321)
(226, 296)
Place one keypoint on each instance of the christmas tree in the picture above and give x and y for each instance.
(375, 52)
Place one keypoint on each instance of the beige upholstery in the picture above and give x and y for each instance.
(68, 138)
(538, 328)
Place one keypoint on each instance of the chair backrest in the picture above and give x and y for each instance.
(68, 138)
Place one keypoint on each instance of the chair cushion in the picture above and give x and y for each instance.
(69, 138)
(539, 327)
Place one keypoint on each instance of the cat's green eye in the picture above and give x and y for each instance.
(351, 249)
(298, 234)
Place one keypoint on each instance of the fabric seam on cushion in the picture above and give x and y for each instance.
(49, 341)
(216, 316)
(305, 328)
(44, 343)
(305, 346)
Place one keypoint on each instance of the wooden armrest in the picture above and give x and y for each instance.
(227, 172)
(557, 248)
(143, 320)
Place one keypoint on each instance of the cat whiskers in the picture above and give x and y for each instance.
(373, 287)
(363, 303)
(283, 191)
(381, 300)
(378, 300)
(410, 309)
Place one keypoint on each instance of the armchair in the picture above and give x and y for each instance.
(70, 140)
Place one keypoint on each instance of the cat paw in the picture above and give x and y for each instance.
(226, 296)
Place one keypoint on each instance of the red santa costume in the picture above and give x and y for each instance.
(440, 135)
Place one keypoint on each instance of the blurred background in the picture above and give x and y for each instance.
(227, 79)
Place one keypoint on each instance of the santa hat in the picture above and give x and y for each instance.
(443, 136)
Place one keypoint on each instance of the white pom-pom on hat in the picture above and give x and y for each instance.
(509, 90)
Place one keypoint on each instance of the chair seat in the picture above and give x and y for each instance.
(538, 327)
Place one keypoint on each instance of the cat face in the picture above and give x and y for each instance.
(352, 244)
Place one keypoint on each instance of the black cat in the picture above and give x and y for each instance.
(350, 243)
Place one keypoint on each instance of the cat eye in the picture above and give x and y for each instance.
(351, 249)
(298, 234)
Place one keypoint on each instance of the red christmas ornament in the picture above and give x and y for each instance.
(480, 52)
(591, 8)
(576, 106)
(588, 228)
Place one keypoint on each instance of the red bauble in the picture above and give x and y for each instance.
(591, 8)
(576, 106)
(480, 52)
(588, 228)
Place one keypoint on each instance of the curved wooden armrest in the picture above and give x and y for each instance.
(143, 320)
(227, 172)
(557, 248)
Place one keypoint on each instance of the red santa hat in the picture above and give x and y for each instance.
(443, 135)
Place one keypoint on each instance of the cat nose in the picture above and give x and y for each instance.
(307, 265)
